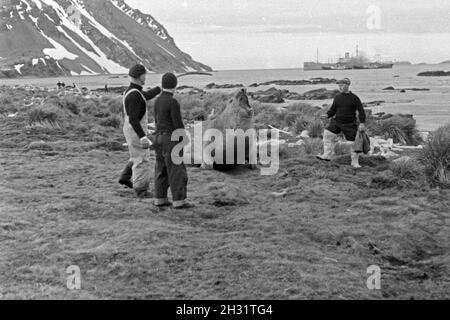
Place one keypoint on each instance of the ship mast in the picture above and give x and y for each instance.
(317, 55)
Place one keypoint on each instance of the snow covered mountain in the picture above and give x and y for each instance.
(84, 37)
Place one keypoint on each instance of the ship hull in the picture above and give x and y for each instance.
(313, 66)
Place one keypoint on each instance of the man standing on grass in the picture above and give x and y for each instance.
(343, 119)
(167, 173)
(136, 174)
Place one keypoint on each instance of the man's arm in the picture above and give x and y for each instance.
(150, 94)
(332, 112)
(135, 107)
(361, 111)
(175, 113)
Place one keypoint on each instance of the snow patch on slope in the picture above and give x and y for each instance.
(99, 57)
(166, 50)
(89, 72)
(189, 69)
(58, 52)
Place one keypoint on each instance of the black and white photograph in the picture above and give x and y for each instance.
(203, 151)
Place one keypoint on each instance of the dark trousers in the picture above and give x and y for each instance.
(168, 174)
(348, 129)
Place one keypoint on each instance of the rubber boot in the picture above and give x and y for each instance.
(329, 144)
(355, 160)
(125, 177)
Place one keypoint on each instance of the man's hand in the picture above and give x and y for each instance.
(362, 127)
(145, 143)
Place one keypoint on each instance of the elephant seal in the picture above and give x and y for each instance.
(238, 114)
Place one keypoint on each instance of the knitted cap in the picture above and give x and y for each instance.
(344, 81)
(169, 81)
(136, 71)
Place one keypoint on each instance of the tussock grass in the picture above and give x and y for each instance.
(313, 146)
(71, 103)
(300, 125)
(402, 129)
(112, 121)
(199, 106)
(402, 174)
(89, 108)
(315, 128)
(305, 109)
(44, 114)
(406, 169)
(436, 157)
(49, 116)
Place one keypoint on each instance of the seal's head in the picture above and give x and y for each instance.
(240, 102)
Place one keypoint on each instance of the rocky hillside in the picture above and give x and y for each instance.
(80, 37)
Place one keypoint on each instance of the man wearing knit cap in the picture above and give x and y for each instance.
(136, 174)
(167, 173)
(343, 119)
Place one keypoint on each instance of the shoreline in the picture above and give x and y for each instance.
(399, 66)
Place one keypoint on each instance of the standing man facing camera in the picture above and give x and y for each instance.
(136, 174)
(343, 119)
(167, 173)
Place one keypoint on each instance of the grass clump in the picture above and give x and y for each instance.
(71, 103)
(198, 107)
(436, 157)
(402, 129)
(50, 114)
(406, 169)
(313, 146)
(403, 173)
(315, 128)
(112, 121)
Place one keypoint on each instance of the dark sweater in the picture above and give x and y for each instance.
(344, 108)
(167, 113)
(136, 107)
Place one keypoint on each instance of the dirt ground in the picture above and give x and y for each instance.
(240, 242)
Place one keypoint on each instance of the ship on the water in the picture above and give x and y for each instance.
(357, 62)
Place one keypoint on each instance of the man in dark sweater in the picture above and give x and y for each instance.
(167, 173)
(136, 174)
(343, 119)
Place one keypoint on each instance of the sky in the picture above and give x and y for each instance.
(260, 34)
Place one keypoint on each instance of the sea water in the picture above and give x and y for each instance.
(431, 108)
